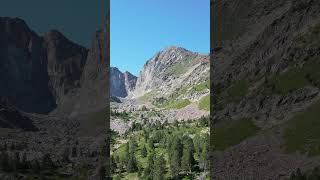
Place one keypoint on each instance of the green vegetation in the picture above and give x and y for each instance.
(228, 133)
(312, 38)
(238, 90)
(310, 175)
(299, 76)
(204, 103)
(178, 104)
(171, 103)
(302, 133)
(147, 96)
(163, 151)
(153, 113)
(174, 100)
(202, 86)
(124, 115)
(180, 67)
(16, 162)
(295, 78)
(6, 131)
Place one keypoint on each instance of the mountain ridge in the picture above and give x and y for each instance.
(153, 72)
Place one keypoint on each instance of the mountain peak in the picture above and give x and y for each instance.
(174, 48)
(13, 22)
(54, 35)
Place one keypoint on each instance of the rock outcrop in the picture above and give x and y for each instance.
(65, 64)
(121, 84)
(169, 70)
(23, 68)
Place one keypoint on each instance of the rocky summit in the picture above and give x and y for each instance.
(53, 98)
(265, 74)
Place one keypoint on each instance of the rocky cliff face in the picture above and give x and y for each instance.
(117, 85)
(65, 64)
(121, 83)
(42, 74)
(171, 69)
(94, 82)
(130, 81)
(23, 68)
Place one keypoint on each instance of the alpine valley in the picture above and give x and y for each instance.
(159, 120)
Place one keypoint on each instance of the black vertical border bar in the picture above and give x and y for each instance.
(108, 130)
(212, 94)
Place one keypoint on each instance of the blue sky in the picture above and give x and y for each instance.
(76, 19)
(141, 28)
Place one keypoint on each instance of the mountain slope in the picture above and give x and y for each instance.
(170, 69)
(266, 75)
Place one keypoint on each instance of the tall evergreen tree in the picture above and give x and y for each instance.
(132, 163)
(175, 162)
(144, 151)
(315, 174)
(160, 169)
(47, 162)
(188, 161)
(4, 164)
(204, 157)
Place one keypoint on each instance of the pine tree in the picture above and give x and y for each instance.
(144, 151)
(117, 177)
(176, 157)
(127, 152)
(4, 164)
(204, 157)
(151, 160)
(74, 151)
(132, 163)
(24, 162)
(160, 169)
(65, 155)
(113, 164)
(47, 162)
(188, 161)
(133, 145)
(16, 161)
(147, 174)
(151, 143)
(315, 174)
(35, 166)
